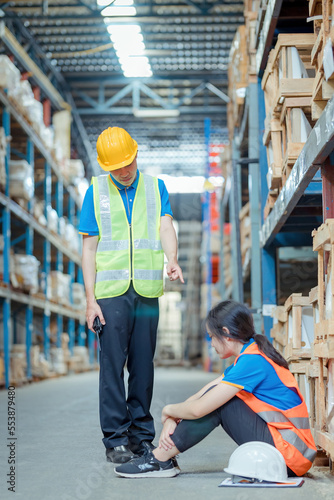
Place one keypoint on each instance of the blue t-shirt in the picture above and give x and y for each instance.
(254, 374)
(88, 224)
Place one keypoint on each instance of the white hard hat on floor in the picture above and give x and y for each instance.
(258, 461)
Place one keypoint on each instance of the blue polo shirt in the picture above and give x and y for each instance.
(254, 374)
(88, 224)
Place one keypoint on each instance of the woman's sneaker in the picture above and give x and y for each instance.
(147, 466)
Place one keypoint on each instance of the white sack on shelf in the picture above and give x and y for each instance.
(62, 127)
(25, 272)
(47, 136)
(72, 238)
(52, 218)
(76, 170)
(22, 94)
(39, 213)
(21, 179)
(35, 113)
(9, 74)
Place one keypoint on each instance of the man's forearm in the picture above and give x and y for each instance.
(169, 242)
(89, 273)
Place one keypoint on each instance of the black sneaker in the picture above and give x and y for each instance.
(147, 466)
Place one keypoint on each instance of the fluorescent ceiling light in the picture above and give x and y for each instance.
(123, 30)
(127, 39)
(155, 113)
(133, 49)
(103, 3)
(135, 66)
(120, 8)
(119, 11)
(142, 73)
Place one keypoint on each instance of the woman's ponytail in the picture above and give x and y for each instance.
(269, 350)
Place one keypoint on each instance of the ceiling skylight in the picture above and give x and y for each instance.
(127, 38)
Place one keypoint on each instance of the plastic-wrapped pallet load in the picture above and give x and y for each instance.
(79, 297)
(21, 180)
(58, 360)
(25, 273)
(18, 364)
(60, 287)
(22, 94)
(9, 74)
(40, 367)
(82, 353)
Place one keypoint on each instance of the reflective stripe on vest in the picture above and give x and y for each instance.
(290, 429)
(113, 266)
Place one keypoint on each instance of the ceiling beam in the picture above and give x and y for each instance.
(119, 79)
(216, 17)
(187, 110)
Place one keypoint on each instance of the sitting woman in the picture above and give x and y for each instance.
(256, 399)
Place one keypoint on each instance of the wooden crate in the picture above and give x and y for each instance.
(288, 103)
(296, 123)
(278, 82)
(279, 330)
(323, 243)
(323, 88)
(321, 404)
(272, 139)
(300, 328)
(323, 346)
(299, 368)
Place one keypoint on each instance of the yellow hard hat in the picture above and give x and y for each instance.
(115, 148)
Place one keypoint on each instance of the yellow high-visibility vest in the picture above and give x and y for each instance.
(119, 243)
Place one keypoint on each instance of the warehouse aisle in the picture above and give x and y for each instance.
(60, 455)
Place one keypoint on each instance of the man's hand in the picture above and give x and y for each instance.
(174, 271)
(165, 440)
(93, 310)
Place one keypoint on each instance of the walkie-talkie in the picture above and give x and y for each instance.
(98, 329)
(97, 325)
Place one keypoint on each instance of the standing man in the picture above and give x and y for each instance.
(126, 222)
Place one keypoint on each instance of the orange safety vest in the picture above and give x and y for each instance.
(290, 429)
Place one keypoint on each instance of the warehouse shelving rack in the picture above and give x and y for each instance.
(12, 211)
(298, 207)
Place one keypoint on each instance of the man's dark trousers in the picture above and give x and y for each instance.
(128, 335)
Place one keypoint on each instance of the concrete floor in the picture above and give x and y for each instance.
(60, 455)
